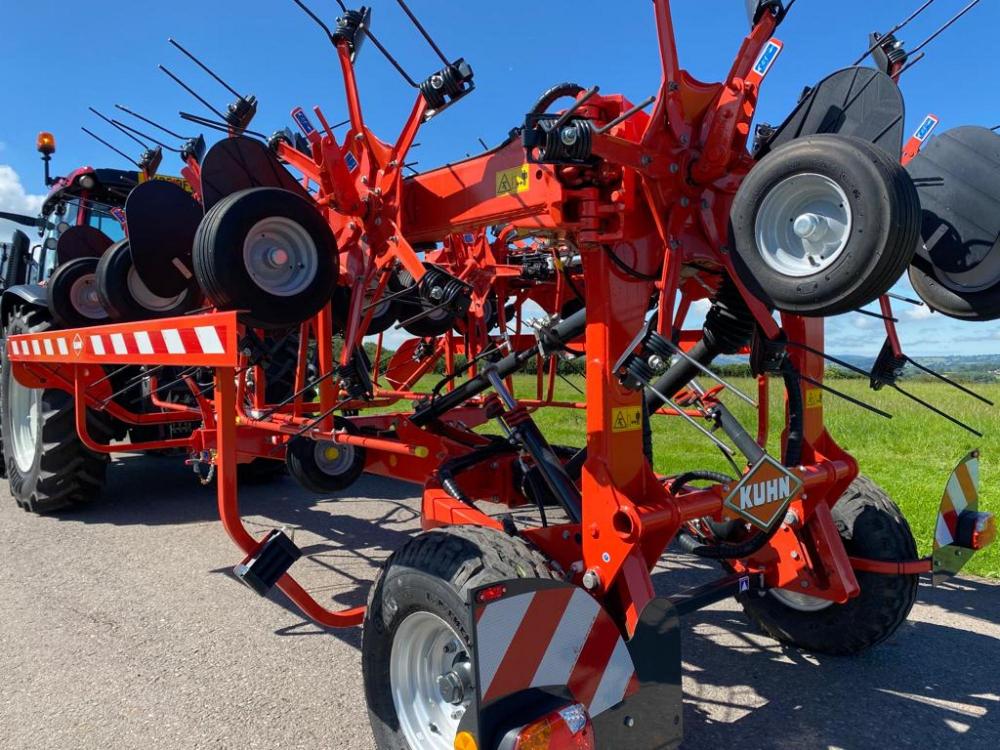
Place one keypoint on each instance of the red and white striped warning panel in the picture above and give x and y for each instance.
(552, 637)
(961, 493)
(203, 340)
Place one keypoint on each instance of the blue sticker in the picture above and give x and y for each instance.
(925, 129)
(303, 122)
(351, 162)
(744, 584)
(766, 59)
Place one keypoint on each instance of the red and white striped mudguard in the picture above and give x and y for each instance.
(554, 638)
(198, 340)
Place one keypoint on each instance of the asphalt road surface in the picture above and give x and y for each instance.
(121, 627)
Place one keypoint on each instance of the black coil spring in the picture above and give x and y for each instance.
(729, 325)
(447, 84)
(577, 147)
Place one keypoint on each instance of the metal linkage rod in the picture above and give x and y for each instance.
(118, 126)
(685, 356)
(626, 115)
(949, 381)
(690, 420)
(894, 29)
(423, 32)
(840, 394)
(908, 300)
(207, 69)
(222, 126)
(192, 92)
(148, 137)
(568, 114)
(155, 124)
(118, 151)
(937, 411)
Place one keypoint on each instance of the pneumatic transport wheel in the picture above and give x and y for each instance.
(824, 225)
(268, 253)
(417, 631)
(72, 298)
(322, 466)
(872, 527)
(126, 297)
(48, 466)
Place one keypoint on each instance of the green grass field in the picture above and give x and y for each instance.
(911, 455)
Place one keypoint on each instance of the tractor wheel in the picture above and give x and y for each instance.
(48, 466)
(417, 631)
(124, 295)
(872, 527)
(824, 225)
(324, 467)
(268, 253)
(73, 298)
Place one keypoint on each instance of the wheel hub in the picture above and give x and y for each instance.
(280, 256)
(25, 409)
(803, 225)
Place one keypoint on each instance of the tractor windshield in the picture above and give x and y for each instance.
(101, 219)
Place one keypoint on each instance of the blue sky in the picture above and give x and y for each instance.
(57, 59)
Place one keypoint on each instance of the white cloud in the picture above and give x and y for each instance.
(15, 199)
(919, 313)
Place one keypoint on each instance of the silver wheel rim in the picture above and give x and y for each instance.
(149, 301)
(280, 256)
(25, 406)
(801, 602)
(803, 225)
(333, 459)
(83, 297)
(425, 651)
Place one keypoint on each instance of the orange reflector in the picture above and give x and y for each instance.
(46, 143)
(465, 741)
(985, 531)
(568, 729)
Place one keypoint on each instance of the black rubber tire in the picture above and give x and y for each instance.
(885, 231)
(61, 308)
(113, 272)
(302, 464)
(222, 273)
(978, 306)
(872, 527)
(434, 572)
(64, 472)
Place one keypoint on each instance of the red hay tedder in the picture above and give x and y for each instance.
(226, 295)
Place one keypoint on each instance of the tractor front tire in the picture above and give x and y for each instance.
(872, 527)
(418, 624)
(48, 466)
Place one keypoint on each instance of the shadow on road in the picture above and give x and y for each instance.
(933, 685)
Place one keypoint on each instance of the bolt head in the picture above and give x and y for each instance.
(606, 557)
(569, 136)
(591, 580)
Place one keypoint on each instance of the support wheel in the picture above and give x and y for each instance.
(824, 225)
(324, 467)
(48, 466)
(268, 253)
(126, 297)
(872, 527)
(73, 298)
(416, 636)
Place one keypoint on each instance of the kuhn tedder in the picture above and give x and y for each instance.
(525, 615)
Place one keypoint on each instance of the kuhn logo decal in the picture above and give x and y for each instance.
(302, 120)
(755, 495)
(763, 494)
(926, 128)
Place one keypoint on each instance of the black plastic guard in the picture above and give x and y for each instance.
(538, 643)
(653, 718)
(162, 221)
(958, 178)
(81, 242)
(241, 163)
(860, 102)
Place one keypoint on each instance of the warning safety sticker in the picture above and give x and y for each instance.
(513, 181)
(626, 419)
